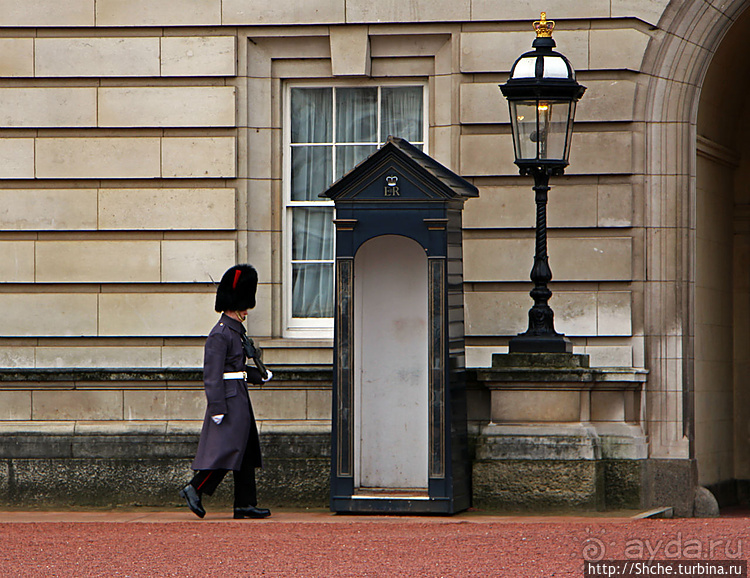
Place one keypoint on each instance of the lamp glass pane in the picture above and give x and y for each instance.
(524, 121)
(525, 68)
(569, 136)
(555, 67)
(553, 124)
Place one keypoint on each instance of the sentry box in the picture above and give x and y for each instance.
(399, 440)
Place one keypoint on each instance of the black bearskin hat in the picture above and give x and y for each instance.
(236, 291)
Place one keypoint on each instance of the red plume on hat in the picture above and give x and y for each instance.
(236, 291)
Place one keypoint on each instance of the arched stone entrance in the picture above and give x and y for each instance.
(693, 313)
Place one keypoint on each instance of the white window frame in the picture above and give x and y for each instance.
(322, 328)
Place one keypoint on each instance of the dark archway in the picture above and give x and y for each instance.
(722, 257)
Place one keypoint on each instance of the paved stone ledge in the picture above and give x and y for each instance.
(282, 374)
(143, 427)
(552, 377)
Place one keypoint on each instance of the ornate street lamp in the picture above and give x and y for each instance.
(542, 93)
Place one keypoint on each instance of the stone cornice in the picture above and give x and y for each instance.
(714, 151)
(316, 373)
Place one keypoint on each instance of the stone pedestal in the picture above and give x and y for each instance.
(561, 434)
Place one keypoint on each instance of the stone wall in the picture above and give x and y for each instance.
(142, 154)
(146, 466)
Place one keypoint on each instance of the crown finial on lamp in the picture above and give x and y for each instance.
(544, 27)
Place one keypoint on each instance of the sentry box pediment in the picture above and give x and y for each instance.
(399, 171)
(399, 441)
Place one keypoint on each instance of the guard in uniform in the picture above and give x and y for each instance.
(229, 438)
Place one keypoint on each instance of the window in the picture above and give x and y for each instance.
(329, 131)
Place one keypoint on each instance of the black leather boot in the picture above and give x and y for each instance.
(251, 512)
(193, 500)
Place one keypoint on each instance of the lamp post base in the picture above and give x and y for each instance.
(555, 343)
(541, 337)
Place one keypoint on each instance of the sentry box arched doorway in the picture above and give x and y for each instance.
(399, 441)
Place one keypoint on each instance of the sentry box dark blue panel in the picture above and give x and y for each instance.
(399, 441)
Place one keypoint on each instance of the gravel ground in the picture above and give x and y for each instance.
(290, 546)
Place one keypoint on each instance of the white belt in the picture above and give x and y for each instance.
(236, 375)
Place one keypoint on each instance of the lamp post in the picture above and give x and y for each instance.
(542, 93)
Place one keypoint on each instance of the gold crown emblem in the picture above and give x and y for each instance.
(544, 27)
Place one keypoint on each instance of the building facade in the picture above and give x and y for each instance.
(147, 147)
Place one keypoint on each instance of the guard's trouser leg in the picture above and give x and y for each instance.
(244, 484)
(206, 481)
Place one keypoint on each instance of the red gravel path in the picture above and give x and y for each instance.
(463, 546)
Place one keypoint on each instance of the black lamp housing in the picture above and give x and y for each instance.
(542, 93)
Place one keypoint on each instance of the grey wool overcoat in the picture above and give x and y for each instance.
(224, 446)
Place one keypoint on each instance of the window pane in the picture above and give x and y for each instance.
(311, 172)
(356, 115)
(312, 233)
(347, 157)
(401, 110)
(312, 290)
(312, 113)
(332, 130)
